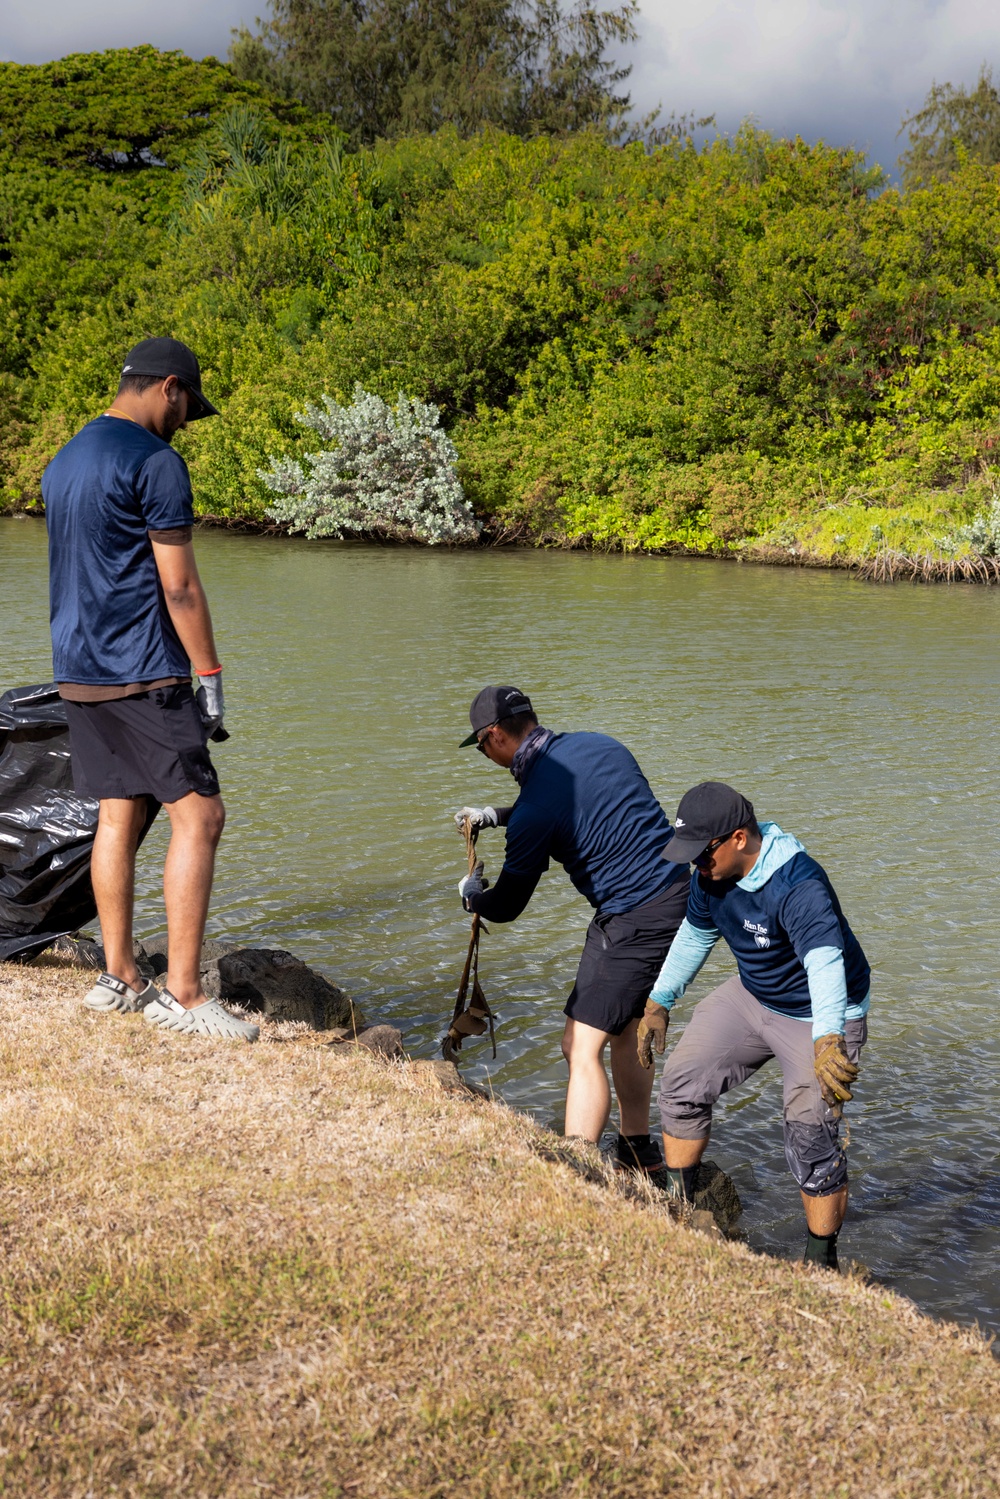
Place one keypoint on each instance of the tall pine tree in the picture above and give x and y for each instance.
(387, 67)
(952, 122)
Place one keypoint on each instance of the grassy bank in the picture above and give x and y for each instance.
(293, 1270)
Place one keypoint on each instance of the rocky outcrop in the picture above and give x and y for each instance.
(273, 982)
(383, 1040)
(444, 1077)
(87, 953)
(715, 1194)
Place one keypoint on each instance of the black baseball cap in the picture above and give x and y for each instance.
(168, 356)
(492, 705)
(710, 810)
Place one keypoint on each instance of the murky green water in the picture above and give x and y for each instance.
(862, 719)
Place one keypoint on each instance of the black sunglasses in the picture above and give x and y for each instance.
(193, 399)
(710, 848)
(481, 741)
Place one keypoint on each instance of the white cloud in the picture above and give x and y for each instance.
(844, 70)
(39, 33)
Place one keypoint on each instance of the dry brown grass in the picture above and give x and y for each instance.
(293, 1270)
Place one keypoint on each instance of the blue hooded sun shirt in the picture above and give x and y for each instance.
(794, 949)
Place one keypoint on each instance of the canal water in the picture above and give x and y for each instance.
(862, 719)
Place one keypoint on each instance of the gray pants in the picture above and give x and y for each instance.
(731, 1034)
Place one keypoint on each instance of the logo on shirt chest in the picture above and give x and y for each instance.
(760, 936)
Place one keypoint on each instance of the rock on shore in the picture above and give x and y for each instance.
(275, 983)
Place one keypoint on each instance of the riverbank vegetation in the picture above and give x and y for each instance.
(753, 346)
(291, 1268)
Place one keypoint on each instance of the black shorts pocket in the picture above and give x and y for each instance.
(198, 770)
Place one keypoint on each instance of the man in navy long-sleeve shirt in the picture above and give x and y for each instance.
(585, 803)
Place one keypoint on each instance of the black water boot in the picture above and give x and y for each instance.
(821, 1249)
(680, 1180)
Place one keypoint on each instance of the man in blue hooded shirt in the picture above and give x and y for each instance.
(585, 802)
(801, 995)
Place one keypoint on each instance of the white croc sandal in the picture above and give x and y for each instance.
(110, 994)
(209, 1019)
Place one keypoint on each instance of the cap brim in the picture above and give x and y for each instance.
(472, 739)
(684, 850)
(205, 407)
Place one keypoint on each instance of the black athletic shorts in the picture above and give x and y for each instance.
(622, 958)
(152, 744)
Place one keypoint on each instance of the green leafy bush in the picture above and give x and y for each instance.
(749, 345)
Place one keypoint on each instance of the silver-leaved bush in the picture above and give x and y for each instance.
(389, 472)
(984, 533)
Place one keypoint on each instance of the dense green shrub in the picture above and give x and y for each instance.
(127, 114)
(749, 344)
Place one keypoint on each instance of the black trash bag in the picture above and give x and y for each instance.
(46, 830)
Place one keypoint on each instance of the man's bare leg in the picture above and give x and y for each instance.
(588, 1096)
(196, 824)
(112, 873)
(824, 1215)
(681, 1158)
(680, 1153)
(633, 1082)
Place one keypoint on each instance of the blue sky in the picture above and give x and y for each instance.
(844, 70)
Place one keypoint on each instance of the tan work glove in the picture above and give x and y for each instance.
(835, 1072)
(652, 1033)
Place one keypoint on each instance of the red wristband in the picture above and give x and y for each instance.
(213, 673)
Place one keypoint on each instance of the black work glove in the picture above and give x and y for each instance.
(652, 1033)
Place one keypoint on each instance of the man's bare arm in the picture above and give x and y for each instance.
(186, 602)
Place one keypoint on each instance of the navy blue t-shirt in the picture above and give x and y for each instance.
(770, 930)
(111, 485)
(586, 803)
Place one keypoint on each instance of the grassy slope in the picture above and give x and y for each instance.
(289, 1270)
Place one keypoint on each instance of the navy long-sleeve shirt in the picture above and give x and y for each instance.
(585, 803)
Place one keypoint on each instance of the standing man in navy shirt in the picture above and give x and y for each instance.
(585, 803)
(129, 619)
(801, 995)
